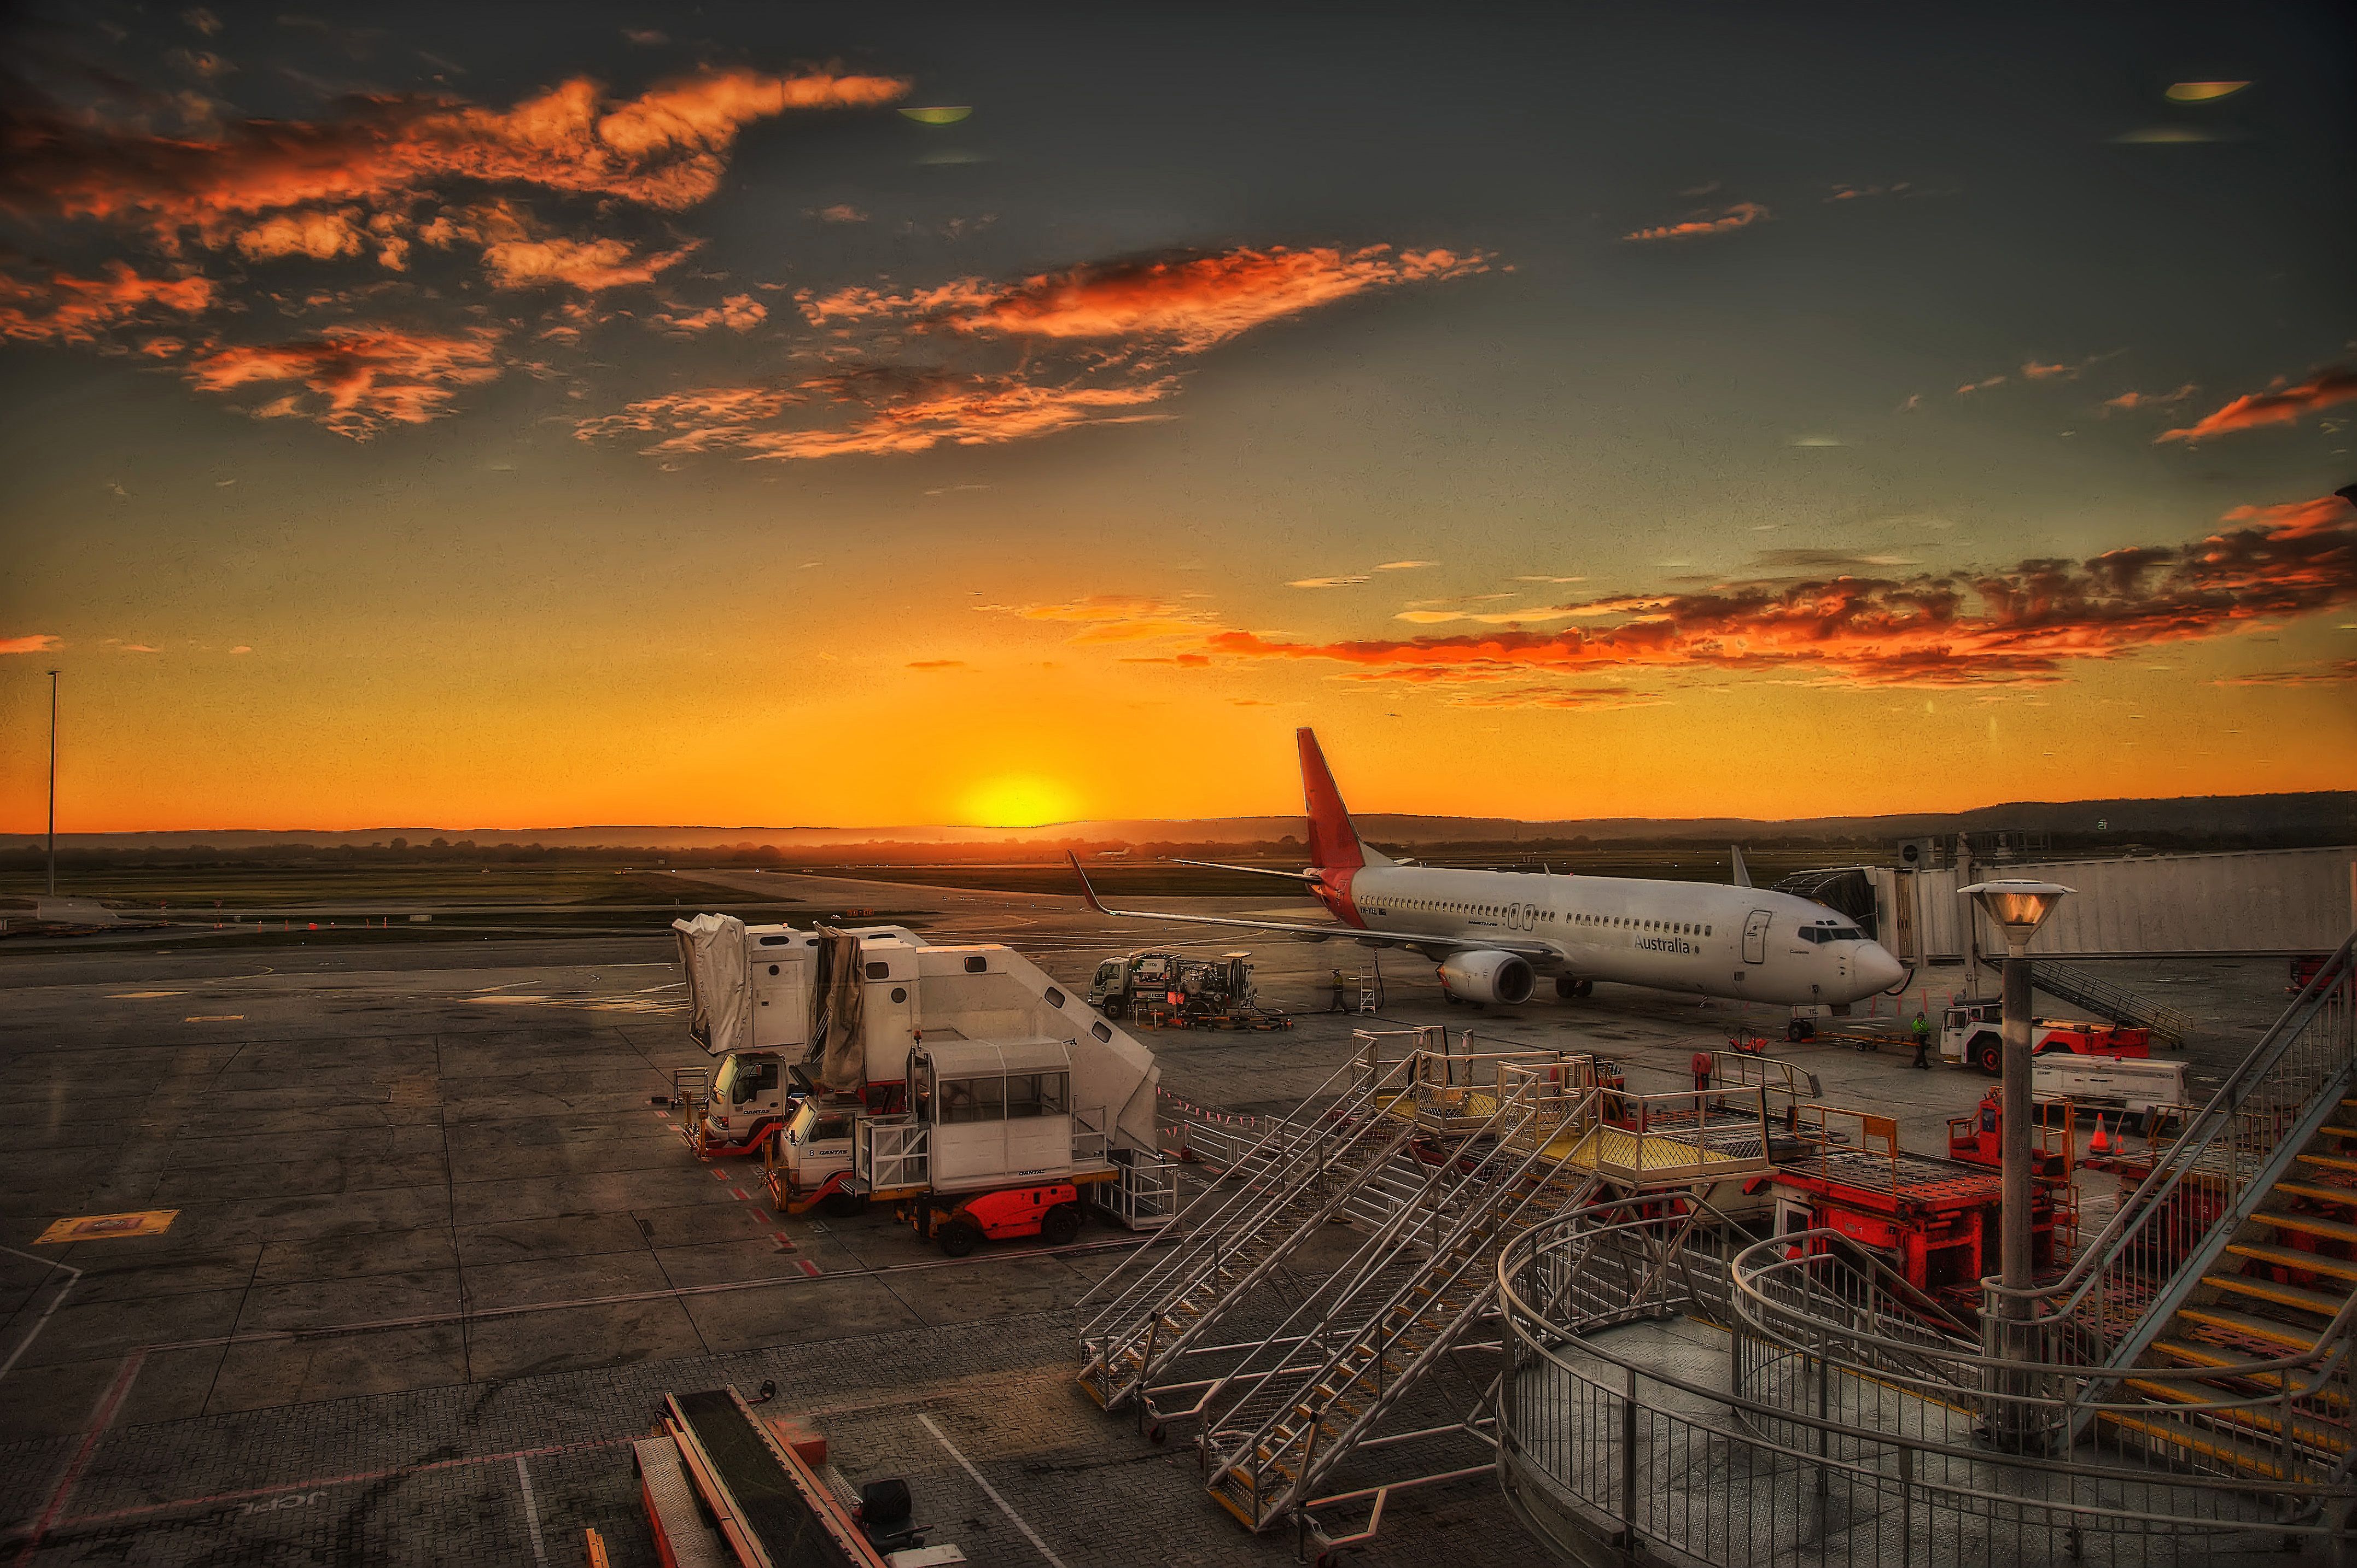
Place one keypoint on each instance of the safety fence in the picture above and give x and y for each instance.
(1641, 1413)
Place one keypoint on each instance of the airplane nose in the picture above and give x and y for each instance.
(1876, 966)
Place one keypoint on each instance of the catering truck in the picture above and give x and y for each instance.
(857, 1025)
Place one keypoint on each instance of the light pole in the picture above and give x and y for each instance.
(2018, 908)
(53, 783)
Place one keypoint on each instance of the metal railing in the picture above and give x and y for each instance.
(2073, 983)
(889, 1152)
(2131, 1276)
(1143, 1195)
(1795, 1451)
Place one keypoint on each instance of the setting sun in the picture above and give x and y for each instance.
(1020, 801)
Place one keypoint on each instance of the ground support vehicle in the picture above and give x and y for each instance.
(723, 1482)
(911, 996)
(1973, 1032)
(1171, 991)
(1979, 1139)
(993, 1145)
(757, 999)
(1932, 1221)
(2147, 1093)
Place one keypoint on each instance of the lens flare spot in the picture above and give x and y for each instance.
(2204, 91)
(940, 113)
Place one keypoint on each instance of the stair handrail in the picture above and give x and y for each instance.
(2056, 1302)
(1273, 1148)
(1517, 1105)
(2057, 977)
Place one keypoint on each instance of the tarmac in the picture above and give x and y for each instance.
(433, 1255)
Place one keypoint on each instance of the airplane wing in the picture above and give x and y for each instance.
(1254, 870)
(1321, 932)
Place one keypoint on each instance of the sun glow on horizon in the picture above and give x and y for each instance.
(1020, 801)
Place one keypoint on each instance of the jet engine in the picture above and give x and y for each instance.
(1487, 976)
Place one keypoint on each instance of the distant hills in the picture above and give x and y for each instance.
(2318, 817)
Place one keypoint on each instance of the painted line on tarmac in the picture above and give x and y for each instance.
(217, 1499)
(484, 1314)
(73, 1278)
(989, 1491)
(530, 1512)
(110, 1405)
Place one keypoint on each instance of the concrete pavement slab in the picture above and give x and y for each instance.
(619, 1334)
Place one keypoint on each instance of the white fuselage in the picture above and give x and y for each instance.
(1695, 937)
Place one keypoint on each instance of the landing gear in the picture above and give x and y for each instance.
(1568, 986)
(1801, 1029)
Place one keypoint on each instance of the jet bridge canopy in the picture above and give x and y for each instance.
(719, 999)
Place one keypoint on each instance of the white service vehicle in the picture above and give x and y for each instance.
(844, 1025)
(2140, 1088)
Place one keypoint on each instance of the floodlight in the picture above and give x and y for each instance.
(2019, 907)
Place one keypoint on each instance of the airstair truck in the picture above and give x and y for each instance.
(907, 1003)
(758, 996)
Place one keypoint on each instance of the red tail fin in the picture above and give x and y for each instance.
(1333, 842)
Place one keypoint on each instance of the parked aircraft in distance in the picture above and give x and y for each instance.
(1494, 933)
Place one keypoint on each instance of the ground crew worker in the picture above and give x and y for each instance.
(1921, 1029)
(1338, 1006)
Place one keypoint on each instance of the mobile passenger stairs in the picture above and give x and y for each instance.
(1303, 1362)
(2073, 983)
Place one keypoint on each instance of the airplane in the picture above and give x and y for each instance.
(1494, 933)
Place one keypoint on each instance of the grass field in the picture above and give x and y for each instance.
(185, 888)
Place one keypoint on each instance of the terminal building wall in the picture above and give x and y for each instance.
(2254, 902)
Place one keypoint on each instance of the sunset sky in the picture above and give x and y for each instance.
(502, 416)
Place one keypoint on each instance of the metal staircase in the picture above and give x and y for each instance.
(1290, 1363)
(2073, 983)
(2283, 1288)
(1405, 1299)
(2216, 1314)
(1158, 1305)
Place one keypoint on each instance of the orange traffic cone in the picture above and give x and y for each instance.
(2101, 1144)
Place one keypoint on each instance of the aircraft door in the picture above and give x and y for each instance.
(1755, 938)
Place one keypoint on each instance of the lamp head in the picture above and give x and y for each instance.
(2019, 907)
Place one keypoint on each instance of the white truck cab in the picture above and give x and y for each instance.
(814, 1152)
(752, 1100)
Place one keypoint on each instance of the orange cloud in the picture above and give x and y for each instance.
(358, 379)
(1120, 618)
(2017, 626)
(666, 148)
(2280, 405)
(2129, 401)
(2339, 670)
(586, 265)
(37, 642)
(904, 415)
(322, 236)
(1188, 305)
(1741, 215)
(737, 312)
(67, 309)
